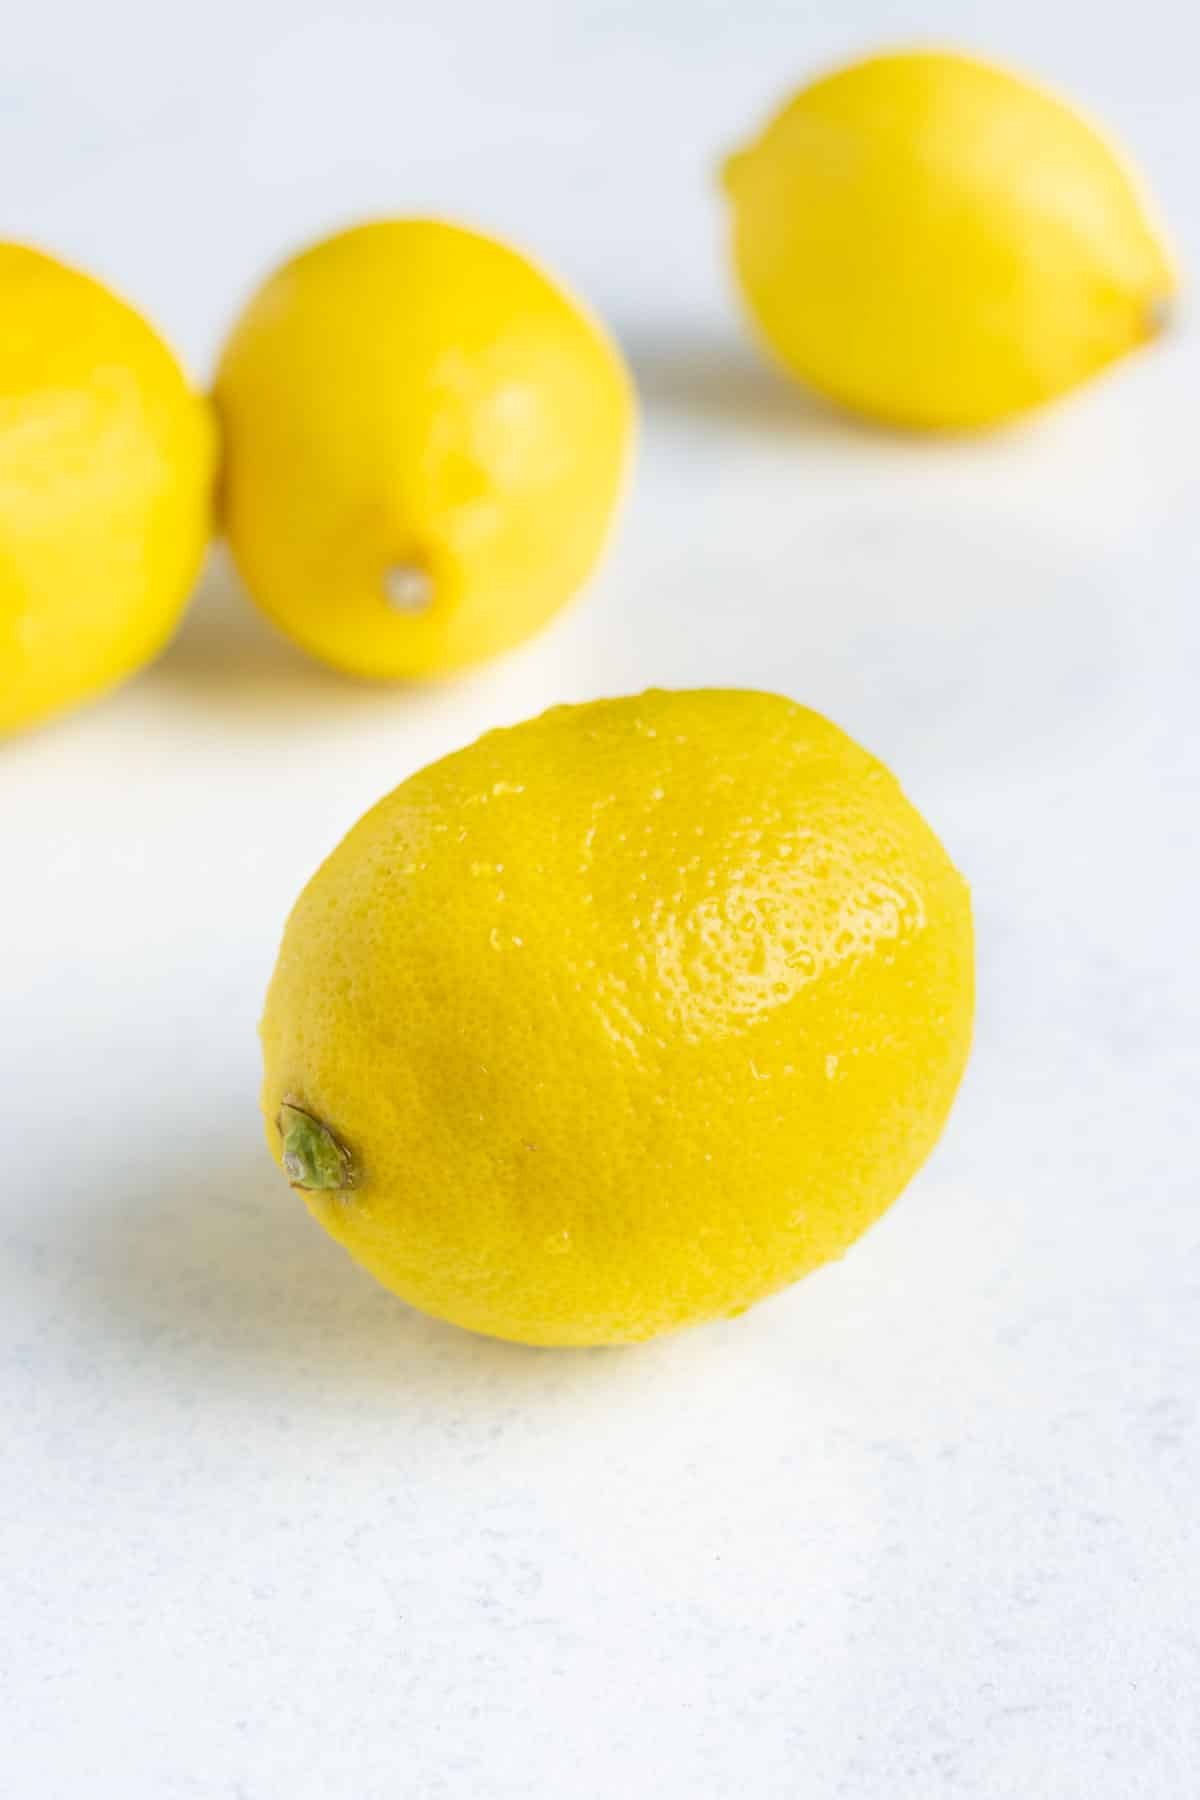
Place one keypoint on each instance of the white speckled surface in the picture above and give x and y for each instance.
(925, 1527)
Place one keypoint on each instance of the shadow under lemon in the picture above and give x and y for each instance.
(716, 378)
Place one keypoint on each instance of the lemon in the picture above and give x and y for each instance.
(426, 440)
(106, 466)
(620, 1019)
(936, 242)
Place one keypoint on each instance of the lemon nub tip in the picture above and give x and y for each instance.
(312, 1158)
(729, 168)
(408, 588)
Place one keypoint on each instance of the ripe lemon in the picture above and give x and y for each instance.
(935, 242)
(425, 443)
(620, 1019)
(106, 467)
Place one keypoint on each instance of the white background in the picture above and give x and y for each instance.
(925, 1526)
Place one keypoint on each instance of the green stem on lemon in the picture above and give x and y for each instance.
(313, 1159)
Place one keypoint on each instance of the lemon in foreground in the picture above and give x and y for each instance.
(620, 1019)
(106, 467)
(426, 440)
(935, 242)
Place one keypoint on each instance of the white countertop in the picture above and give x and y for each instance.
(923, 1527)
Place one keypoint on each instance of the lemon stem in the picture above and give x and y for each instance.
(731, 168)
(407, 587)
(313, 1159)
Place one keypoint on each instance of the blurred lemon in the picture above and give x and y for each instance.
(936, 242)
(426, 440)
(106, 466)
(620, 1019)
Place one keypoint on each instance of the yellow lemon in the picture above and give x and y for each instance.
(620, 1019)
(106, 467)
(425, 443)
(935, 242)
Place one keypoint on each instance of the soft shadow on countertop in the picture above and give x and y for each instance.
(224, 638)
(229, 658)
(714, 378)
(719, 380)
